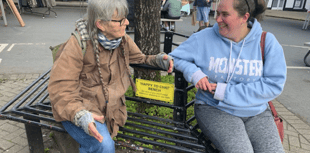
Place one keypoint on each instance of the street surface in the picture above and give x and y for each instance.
(26, 49)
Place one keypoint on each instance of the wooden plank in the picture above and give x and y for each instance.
(164, 19)
(15, 12)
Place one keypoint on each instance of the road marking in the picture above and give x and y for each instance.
(11, 47)
(23, 44)
(2, 46)
(0, 60)
(296, 67)
(295, 46)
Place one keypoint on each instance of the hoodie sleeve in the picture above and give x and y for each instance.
(184, 60)
(267, 88)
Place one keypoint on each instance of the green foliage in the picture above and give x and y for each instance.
(51, 134)
(46, 150)
(167, 79)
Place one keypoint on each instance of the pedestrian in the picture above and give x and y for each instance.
(185, 10)
(171, 10)
(203, 8)
(234, 81)
(87, 91)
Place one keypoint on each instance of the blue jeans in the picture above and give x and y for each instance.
(89, 144)
(203, 14)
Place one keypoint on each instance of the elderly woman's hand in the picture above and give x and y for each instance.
(164, 61)
(170, 69)
(92, 129)
(204, 84)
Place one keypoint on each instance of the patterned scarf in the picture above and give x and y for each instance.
(108, 44)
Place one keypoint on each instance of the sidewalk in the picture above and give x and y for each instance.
(13, 136)
(295, 15)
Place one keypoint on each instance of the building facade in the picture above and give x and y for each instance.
(289, 5)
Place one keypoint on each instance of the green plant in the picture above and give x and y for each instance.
(51, 135)
(46, 150)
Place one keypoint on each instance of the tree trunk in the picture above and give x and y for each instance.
(147, 37)
(147, 33)
(147, 26)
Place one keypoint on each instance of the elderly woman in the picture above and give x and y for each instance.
(87, 91)
(234, 82)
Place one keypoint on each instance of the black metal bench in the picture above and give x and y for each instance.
(32, 107)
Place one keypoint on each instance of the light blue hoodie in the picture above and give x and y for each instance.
(250, 85)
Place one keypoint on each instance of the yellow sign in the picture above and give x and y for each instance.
(155, 90)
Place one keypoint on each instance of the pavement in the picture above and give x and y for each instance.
(13, 136)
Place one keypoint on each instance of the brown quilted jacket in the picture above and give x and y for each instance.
(74, 83)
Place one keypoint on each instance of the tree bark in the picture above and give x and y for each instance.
(147, 26)
(147, 33)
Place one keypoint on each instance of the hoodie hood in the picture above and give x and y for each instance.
(253, 35)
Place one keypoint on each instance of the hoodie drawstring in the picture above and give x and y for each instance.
(231, 74)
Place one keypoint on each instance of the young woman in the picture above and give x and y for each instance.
(87, 91)
(234, 83)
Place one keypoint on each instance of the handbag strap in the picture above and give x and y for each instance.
(262, 46)
(273, 110)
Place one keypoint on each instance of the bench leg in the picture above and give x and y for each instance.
(305, 59)
(34, 136)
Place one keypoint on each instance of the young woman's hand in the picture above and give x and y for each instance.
(204, 84)
(92, 129)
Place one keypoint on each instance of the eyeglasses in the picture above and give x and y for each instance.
(121, 21)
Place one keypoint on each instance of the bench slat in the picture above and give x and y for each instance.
(155, 118)
(147, 101)
(160, 125)
(178, 148)
(38, 111)
(34, 116)
(162, 131)
(187, 143)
